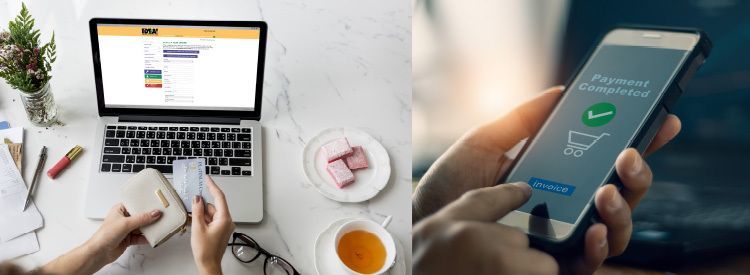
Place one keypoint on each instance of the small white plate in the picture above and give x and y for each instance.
(326, 262)
(369, 181)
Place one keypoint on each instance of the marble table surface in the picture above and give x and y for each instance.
(332, 63)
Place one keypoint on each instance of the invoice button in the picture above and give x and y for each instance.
(551, 186)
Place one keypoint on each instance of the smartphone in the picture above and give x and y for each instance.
(618, 99)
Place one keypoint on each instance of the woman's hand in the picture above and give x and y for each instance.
(464, 238)
(477, 161)
(211, 228)
(118, 231)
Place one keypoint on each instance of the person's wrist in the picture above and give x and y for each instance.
(93, 252)
(209, 267)
(89, 249)
(84, 259)
(91, 246)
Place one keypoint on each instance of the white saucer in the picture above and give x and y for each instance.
(326, 259)
(368, 182)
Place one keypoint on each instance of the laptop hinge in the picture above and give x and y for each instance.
(179, 119)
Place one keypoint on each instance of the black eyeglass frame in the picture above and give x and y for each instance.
(250, 242)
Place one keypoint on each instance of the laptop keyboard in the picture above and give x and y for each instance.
(131, 148)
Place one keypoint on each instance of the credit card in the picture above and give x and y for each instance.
(189, 179)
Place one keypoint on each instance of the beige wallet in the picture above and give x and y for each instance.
(149, 190)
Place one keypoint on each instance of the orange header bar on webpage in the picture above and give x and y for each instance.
(197, 32)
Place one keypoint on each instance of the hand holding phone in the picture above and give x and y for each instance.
(619, 99)
(478, 160)
(463, 238)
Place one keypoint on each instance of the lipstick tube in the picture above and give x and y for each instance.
(64, 162)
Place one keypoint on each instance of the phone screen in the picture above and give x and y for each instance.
(605, 106)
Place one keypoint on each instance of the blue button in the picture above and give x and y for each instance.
(551, 186)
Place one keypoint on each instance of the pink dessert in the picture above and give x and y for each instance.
(337, 148)
(341, 174)
(358, 158)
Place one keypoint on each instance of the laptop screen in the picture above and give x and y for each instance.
(178, 67)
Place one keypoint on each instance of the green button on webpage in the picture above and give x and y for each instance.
(598, 114)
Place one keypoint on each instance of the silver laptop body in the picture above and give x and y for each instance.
(129, 140)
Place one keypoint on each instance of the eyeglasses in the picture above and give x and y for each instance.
(246, 250)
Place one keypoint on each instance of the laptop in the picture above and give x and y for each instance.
(169, 90)
(697, 209)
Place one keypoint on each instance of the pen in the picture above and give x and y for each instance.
(64, 161)
(39, 167)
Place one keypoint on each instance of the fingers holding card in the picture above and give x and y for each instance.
(189, 179)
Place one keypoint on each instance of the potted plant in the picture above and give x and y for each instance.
(26, 66)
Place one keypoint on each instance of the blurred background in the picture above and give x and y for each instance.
(475, 60)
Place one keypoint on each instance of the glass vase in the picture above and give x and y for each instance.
(40, 106)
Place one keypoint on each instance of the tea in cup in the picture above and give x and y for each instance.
(365, 247)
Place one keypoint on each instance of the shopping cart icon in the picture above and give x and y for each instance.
(579, 142)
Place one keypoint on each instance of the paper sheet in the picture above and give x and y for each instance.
(15, 135)
(13, 222)
(25, 244)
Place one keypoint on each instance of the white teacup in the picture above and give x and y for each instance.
(374, 228)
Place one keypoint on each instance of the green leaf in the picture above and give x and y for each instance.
(23, 35)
